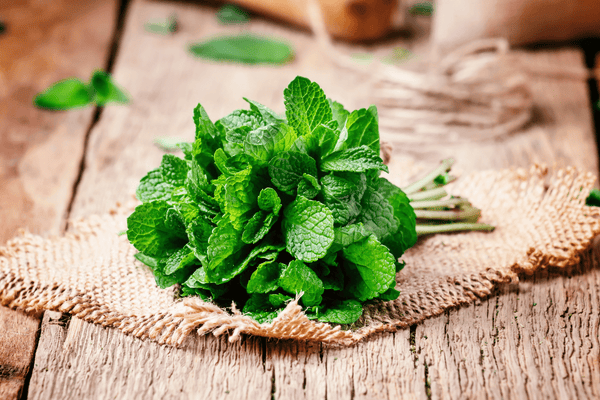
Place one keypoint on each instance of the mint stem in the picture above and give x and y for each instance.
(432, 194)
(453, 227)
(433, 204)
(421, 183)
(450, 215)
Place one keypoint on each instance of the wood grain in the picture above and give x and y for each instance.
(41, 151)
(439, 359)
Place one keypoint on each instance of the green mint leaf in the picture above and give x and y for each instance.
(178, 260)
(244, 48)
(151, 262)
(199, 232)
(363, 129)
(279, 300)
(319, 143)
(205, 129)
(424, 9)
(232, 14)
(173, 170)
(287, 168)
(349, 234)
(389, 295)
(268, 200)
(64, 95)
(339, 113)
(342, 194)
(259, 308)
(308, 229)
(342, 312)
(147, 231)
(106, 90)
(375, 264)
(297, 278)
(263, 143)
(306, 105)
(398, 55)
(240, 197)
(175, 224)
(406, 236)
(593, 199)
(264, 278)
(358, 159)
(309, 186)
(170, 143)
(223, 242)
(237, 125)
(163, 27)
(258, 226)
(268, 115)
(377, 215)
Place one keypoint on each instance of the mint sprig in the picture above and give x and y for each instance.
(262, 209)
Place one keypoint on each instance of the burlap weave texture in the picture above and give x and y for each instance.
(541, 221)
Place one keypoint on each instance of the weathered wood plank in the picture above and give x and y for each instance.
(41, 151)
(109, 364)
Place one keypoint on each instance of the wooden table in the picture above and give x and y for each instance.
(537, 339)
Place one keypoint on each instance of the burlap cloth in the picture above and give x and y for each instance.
(541, 221)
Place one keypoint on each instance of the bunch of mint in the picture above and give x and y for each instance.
(262, 209)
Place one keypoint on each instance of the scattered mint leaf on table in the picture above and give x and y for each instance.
(593, 198)
(64, 95)
(261, 209)
(424, 9)
(163, 27)
(73, 93)
(244, 48)
(232, 14)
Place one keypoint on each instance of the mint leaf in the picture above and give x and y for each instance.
(163, 27)
(278, 300)
(306, 105)
(363, 129)
(389, 295)
(287, 169)
(339, 113)
(264, 278)
(309, 186)
(178, 260)
(308, 229)
(424, 9)
(268, 115)
(244, 48)
(378, 215)
(240, 197)
(222, 243)
(268, 200)
(342, 312)
(205, 129)
(107, 91)
(147, 231)
(264, 142)
(153, 187)
(232, 14)
(342, 194)
(199, 232)
(358, 159)
(173, 169)
(64, 95)
(374, 263)
(259, 308)
(297, 278)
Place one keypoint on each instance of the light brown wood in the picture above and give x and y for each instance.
(444, 357)
(41, 151)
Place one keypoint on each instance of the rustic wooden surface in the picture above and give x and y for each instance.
(41, 151)
(538, 339)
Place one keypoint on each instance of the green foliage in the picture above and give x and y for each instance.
(261, 210)
(244, 48)
(165, 26)
(425, 9)
(232, 14)
(73, 93)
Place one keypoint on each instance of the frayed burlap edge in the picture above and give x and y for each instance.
(548, 197)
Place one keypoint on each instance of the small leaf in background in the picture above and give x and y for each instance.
(162, 27)
(594, 198)
(363, 58)
(246, 48)
(106, 90)
(168, 143)
(64, 95)
(397, 55)
(232, 14)
(425, 9)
